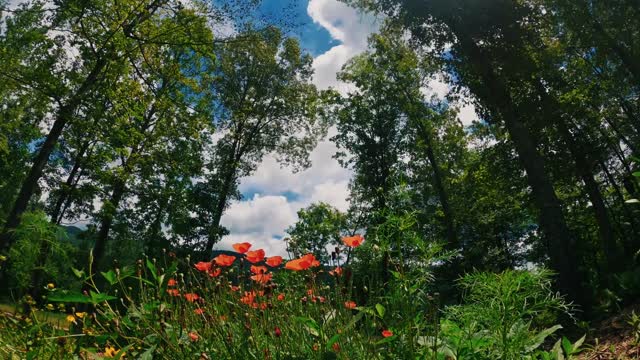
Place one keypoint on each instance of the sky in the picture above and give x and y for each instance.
(332, 33)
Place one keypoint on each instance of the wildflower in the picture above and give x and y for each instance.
(312, 260)
(214, 272)
(50, 307)
(387, 333)
(235, 288)
(336, 347)
(353, 241)
(350, 304)
(322, 299)
(241, 247)
(193, 336)
(310, 292)
(203, 265)
(110, 352)
(277, 332)
(199, 311)
(274, 261)
(336, 272)
(302, 263)
(71, 318)
(224, 260)
(280, 297)
(80, 315)
(172, 282)
(248, 298)
(316, 347)
(173, 292)
(255, 256)
(51, 286)
(262, 278)
(191, 297)
(258, 269)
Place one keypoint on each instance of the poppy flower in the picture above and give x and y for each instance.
(353, 241)
(199, 311)
(191, 297)
(336, 272)
(274, 261)
(258, 269)
(173, 292)
(224, 260)
(336, 347)
(297, 265)
(277, 332)
(280, 297)
(387, 333)
(262, 278)
(203, 265)
(255, 256)
(241, 247)
(193, 336)
(350, 304)
(235, 288)
(248, 298)
(312, 260)
(172, 282)
(214, 272)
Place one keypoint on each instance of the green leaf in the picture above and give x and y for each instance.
(636, 174)
(386, 340)
(380, 310)
(632, 201)
(110, 276)
(539, 338)
(69, 298)
(332, 341)
(148, 354)
(78, 273)
(153, 270)
(311, 325)
(97, 298)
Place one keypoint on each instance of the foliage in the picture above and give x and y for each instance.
(318, 230)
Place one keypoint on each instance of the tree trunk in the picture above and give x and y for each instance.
(214, 233)
(63, 116)
(106, 222)
(68, 185)
(452, 237)
(560, 242)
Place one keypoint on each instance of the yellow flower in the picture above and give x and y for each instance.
(50, 307)
(3, 258)
(71, 318)
(81, 315)
(110, 352)
(51, 286)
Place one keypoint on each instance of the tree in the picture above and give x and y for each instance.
(319, 227)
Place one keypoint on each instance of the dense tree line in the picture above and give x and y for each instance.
(134, 118)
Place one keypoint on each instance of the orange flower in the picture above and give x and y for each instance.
(203, 265)
(274, 261)
(262, 278)
(198, 311)
(173, 292)
(280, 297)
(350, 304)
(235, 288)
(191, 297)
(172, 282)
(297, 265)
(255, 256)
(224, 260)
(312, 260)
(194, 336)
(387, 333)
(258, 269)
(241, 247)
(353, 241)
(214, 273)
(310, 292)
(336, 272)
(248, 298)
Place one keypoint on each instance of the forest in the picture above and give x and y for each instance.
(128, 126)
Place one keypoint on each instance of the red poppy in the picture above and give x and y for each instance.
(199, 311)
(191, 297)
(350, 304)
(214, 272)
(297, 265)
(248, 298)
(280, 297)
(274, 261)
(262, 278)
(353, 241)
(277, 331)
(312, 260)
(336, 347)
(387, 333)
(235, 288)
(172, 282)
(203, 265)
(241, 247)
(258, 269)
(173, 292)
(224, 260)
(336, 272)
(255, 256)
(193, 336)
